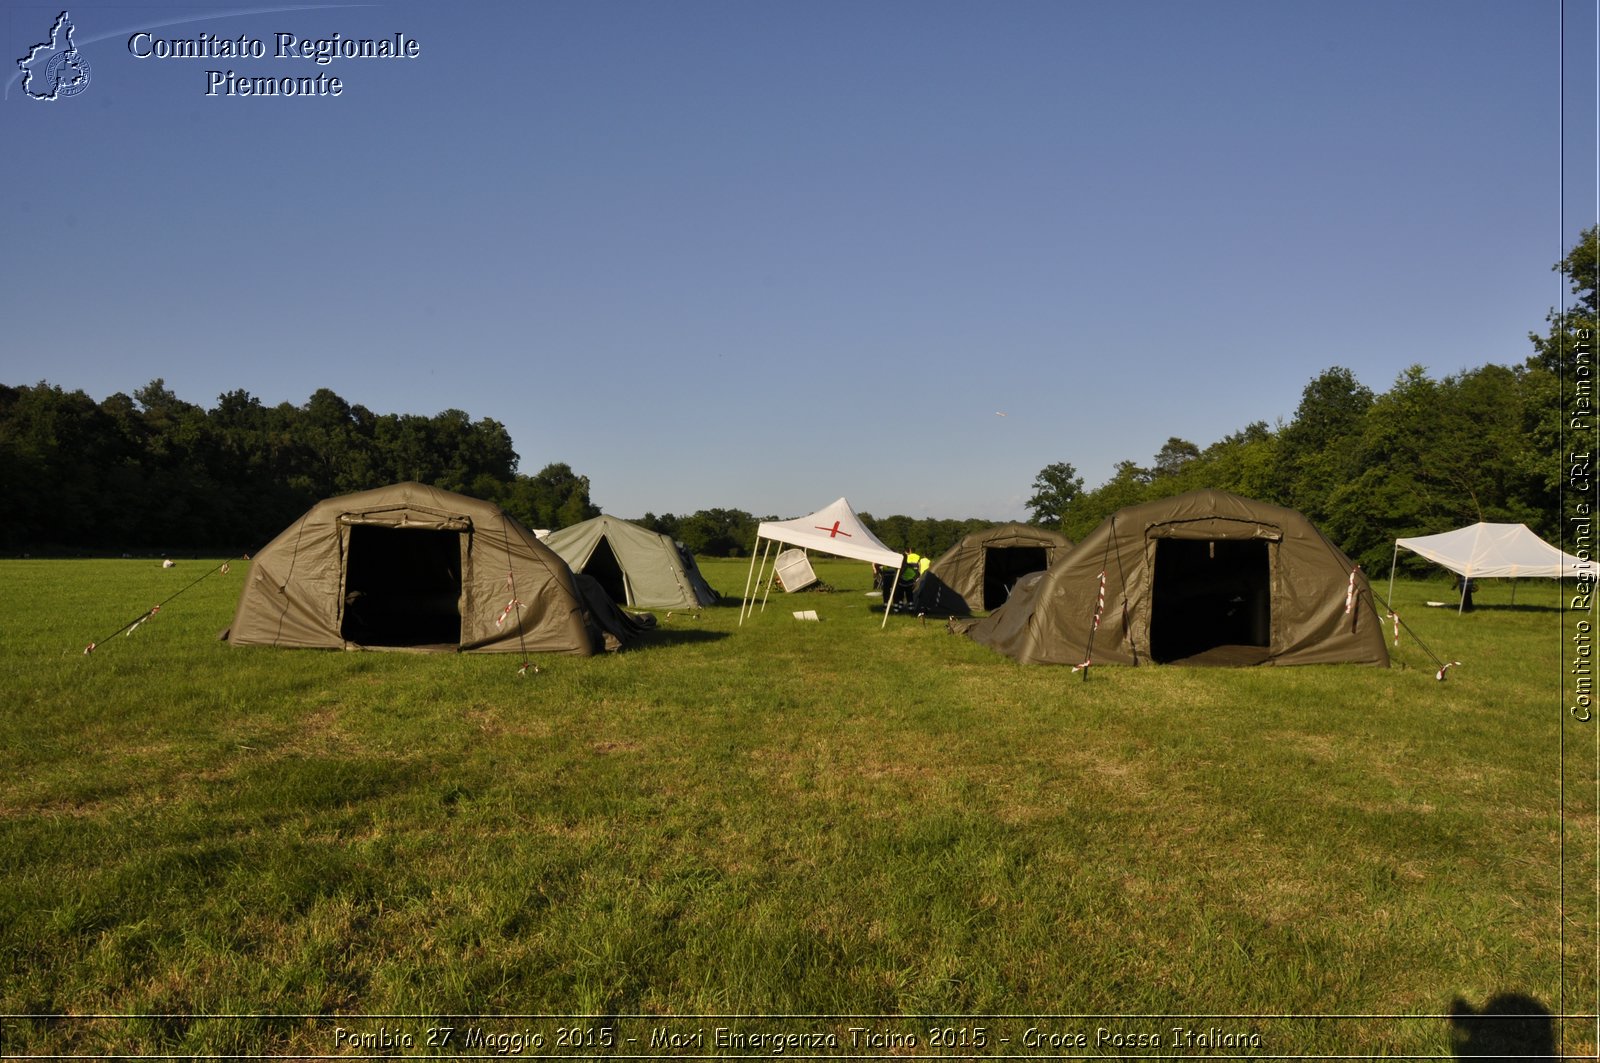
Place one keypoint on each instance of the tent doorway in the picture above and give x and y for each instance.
(606, 570)
(1004, 565)
(402, 587)
(1211, 600)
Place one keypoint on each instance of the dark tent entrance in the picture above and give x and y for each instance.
(402, 586)
(604, 568)
(1004, 565)
(1211, 601)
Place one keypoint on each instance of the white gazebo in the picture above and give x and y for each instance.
(1491, 551)
(834, 529)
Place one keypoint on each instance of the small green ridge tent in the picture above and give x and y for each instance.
(1205, 577)
(978, 573)
(415, 567)
(636, 566)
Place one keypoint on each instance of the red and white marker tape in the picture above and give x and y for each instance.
(154, 609)
(1094, 624)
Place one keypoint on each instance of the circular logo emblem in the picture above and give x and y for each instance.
(67, 74)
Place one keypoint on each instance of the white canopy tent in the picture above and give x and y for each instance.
(834, 529)
(1491, 551)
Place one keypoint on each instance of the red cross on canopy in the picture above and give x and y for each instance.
(834, 531)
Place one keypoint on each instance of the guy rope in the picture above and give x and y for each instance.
(1094, 626)
(514, 605)
(1394, 618)
(133, 625)
(1100, 602)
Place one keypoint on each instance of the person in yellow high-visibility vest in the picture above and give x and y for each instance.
(909, 573)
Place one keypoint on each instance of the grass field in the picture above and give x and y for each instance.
(812, 820)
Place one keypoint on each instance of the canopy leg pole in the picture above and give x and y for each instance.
(888, 601)
(1392, 563)
(761, 573)
(745, 601)
(771, 579)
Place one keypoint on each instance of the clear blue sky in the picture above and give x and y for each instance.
(761, 255)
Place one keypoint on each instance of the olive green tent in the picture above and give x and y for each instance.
(416, 567)
(977, 573)
(636, 566)
(1206, 577)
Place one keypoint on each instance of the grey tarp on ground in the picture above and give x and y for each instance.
(636, 566)
(979, 572)
(356, 570)
(1204, 577)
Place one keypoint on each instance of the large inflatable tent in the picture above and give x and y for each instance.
(636, 566)
(1205, 577)
(412, 566)
(977, 573)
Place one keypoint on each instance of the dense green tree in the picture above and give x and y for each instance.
(666, 524)
(557, 497)
(896, 531)
(927, 536)
(717, 532)
(1244, 462)
(1317, 450)
(1581, 268)
(153, 471)
(1545, 434)
(1437, 454)
(463, 451)
(1054, 489)
(1559, 378)
(577, 508)
(51, 443)
(1173, 456)
(406, 444)
(1129, 485)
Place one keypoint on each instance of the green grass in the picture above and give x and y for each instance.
(787, 818)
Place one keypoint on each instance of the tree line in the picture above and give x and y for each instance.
(154, 472)
(731, 532)
(1425, 456)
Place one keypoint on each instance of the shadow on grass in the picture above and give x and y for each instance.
(1510, 607)
(1510, 1026)
(726, 602)
(678, 636)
